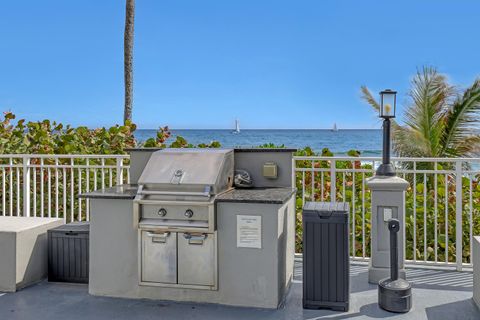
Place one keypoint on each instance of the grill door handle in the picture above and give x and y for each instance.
(195, 239)
(158, 237)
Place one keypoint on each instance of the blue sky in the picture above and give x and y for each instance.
(201, 64)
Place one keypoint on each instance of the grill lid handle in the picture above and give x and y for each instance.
(175, 193)
(177, 176)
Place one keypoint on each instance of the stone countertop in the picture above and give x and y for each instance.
(149, 149)
(257, 195)
(254, 195)
(290, 150)
(245, 149)
(124, 191)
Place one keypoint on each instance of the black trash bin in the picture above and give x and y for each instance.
(326, 256)
(68, 253)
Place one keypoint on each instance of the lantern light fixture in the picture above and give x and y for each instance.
(388, 103)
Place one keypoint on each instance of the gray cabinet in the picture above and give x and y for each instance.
(159, 257)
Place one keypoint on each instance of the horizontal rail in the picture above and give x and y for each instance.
(66, 156)
(394, 159)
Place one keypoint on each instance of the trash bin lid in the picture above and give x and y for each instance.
(73, 227)
(326, 208)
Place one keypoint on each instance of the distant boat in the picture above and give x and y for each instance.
(334, 129)
(237, 127)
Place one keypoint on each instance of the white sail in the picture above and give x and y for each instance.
(335, 127)
(237, 127)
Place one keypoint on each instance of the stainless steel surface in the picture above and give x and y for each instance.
(193, 168)
(159, 257)
(174, 225)
(176, 193)
(175, 214)
(175, 211)
(195, 255)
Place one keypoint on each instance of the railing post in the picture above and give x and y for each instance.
(458, 215)
(26, 186)
(119, 176)
(333, 181)
(294, 177)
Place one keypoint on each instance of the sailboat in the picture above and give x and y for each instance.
(237, 127)
(334, 129)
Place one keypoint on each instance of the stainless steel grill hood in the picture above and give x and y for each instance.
(187, 172)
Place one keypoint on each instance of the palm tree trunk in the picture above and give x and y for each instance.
(128, 59)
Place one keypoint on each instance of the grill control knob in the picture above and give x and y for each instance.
(189, 213)
(162, 212)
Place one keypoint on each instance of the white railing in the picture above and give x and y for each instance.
(442, 204)
(48, 185)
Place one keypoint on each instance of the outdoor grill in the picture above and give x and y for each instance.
(175, 208)
(184, 231)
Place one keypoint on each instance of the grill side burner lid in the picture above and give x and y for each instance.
(180, 171)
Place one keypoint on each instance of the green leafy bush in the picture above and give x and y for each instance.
(46, 137)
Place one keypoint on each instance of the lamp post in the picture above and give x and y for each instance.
(387, 111)
(388, 202)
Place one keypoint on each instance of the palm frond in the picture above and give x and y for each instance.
(460, 137)
(438, 121)
(368, 97)
(430, 96)
(410, 143)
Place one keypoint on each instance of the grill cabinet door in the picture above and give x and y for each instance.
(196, 259)
(159, 257)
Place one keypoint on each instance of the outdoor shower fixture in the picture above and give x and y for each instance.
(387, 111)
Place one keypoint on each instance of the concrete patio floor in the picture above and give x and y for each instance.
(438, 294)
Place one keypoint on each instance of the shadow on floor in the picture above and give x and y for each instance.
(371, 310)
(419, 278)
(463, 309)
(440, 279)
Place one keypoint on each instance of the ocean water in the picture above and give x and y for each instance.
(367, 141)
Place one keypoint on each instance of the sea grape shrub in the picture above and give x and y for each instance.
(46, 137)
(162, 136)
(271, 146)
(327, 153)
(213, 144)
(317, 186)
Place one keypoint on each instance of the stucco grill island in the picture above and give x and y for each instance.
(182, 231)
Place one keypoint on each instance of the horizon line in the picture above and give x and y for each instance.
(246, 129)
